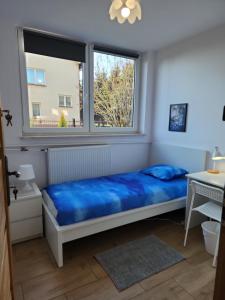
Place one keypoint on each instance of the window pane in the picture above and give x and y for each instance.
(36, 109)
(30, 76)
(113, 90)
(40, 77)
(64, 78)
(68, 101)
(61, 101)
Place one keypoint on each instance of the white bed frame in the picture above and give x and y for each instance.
(192, 159)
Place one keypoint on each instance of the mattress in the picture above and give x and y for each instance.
(77, 201)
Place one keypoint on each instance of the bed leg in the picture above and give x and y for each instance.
(56, 245)
(54, 239)
(59, 255)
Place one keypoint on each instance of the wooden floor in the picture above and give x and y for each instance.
(38, 278)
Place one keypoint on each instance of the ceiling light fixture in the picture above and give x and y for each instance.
(123, 10)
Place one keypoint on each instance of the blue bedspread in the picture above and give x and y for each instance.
(81, 200)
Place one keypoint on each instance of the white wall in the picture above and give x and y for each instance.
(125, 158)
(128, 152)
(192, 71)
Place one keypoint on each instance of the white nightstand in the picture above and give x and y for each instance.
(25, 215)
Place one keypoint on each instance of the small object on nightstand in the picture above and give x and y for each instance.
(25, 214)
(26, 174)
(216, 156)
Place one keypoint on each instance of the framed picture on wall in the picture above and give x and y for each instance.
(178, 117)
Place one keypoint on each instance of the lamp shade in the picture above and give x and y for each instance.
(217, 155)
(26, 172)
(125, 10)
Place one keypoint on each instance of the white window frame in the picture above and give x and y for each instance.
(35, 76)
(27, 130)
(88, 105)
(134, 128)
(64, 100)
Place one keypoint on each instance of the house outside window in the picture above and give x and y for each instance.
(63, 75)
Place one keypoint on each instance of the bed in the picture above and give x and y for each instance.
(78, 201)
(79, 208)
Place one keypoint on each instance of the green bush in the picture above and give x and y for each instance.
(62, 121)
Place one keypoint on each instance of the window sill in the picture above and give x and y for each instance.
(38, 84)
(81, 135)
(60, 106)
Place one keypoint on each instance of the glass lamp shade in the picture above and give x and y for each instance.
(217, 155)
(123, 10)
(131, 4)
(26, 172)
(117, 4)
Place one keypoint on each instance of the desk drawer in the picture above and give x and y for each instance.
(20, 210)
(26, 229)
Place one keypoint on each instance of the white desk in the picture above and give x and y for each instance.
(217, 180)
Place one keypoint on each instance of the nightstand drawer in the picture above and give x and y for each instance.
(20, 209)
(26, 229)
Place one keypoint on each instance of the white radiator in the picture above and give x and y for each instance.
(72, 163)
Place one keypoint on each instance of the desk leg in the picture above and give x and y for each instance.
(196, 218)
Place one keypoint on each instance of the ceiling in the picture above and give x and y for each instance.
(164, 21)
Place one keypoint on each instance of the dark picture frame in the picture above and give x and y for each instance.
(178, 117)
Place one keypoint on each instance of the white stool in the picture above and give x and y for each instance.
(212, 209)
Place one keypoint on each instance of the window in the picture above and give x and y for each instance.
(63, 75)
(114, 87)
(35, 76)
(89, 88)
(63, 61)
(36, 110)
(65, 101)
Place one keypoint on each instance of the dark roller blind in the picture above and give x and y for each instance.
(44, 44)
(115, 51)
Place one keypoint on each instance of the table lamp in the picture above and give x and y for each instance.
(26, 174)
(216, 156)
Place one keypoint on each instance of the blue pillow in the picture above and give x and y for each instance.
(164, 172)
